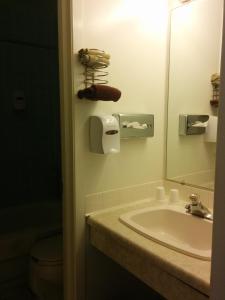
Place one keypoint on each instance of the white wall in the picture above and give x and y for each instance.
(175, 3)
(134, 33)
(196, 30)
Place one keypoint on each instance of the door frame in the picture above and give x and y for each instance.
(67, 145)
(218, 249)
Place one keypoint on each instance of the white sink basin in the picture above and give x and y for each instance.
(172, 227)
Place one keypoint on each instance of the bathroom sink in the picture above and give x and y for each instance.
(172, 227)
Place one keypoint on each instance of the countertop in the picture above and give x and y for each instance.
(173, 274)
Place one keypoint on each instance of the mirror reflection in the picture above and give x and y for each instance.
(194, 78)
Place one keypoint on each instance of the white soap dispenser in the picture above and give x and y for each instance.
(104, 134)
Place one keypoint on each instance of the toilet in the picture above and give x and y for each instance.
(46, 278)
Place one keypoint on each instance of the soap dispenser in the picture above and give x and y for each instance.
(104, 134)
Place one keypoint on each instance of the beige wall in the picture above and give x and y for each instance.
(134, 34)
(176, 3)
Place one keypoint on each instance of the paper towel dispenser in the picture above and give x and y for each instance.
(136, 125)
(104, 134)
(192, 124)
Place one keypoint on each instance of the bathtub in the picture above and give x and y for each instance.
(20, 227)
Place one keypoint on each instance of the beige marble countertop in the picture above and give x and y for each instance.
(142, 256)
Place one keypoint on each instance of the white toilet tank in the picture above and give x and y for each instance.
(46, 278)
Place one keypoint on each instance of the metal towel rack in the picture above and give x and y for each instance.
(94, 61)
(215, 81)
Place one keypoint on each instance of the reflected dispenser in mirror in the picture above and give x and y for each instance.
(104, 134)
(192, 124)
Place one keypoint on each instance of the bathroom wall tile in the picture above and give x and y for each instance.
(30, 137)
(26, 21)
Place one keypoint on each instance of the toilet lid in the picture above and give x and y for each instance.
(48, 250)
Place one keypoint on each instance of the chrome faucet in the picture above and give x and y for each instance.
(197, 208)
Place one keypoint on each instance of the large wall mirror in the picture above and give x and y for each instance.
(195, 51)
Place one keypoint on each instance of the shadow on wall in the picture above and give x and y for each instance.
(29, 107)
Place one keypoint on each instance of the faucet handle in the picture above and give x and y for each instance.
(194, 199)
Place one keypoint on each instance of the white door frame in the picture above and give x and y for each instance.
(67, 142)
(218, 251)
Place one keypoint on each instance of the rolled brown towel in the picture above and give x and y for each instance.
(100, 92)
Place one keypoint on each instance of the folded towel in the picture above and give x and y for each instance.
(94, 61)
(94, 52)
(98, 52)
(100, 92)
(215, 79)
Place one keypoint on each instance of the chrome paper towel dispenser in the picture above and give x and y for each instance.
(192, 124)
(104, 134)
(135, 125)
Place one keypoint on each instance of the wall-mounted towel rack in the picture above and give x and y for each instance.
(94, 60)
(215, 81)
